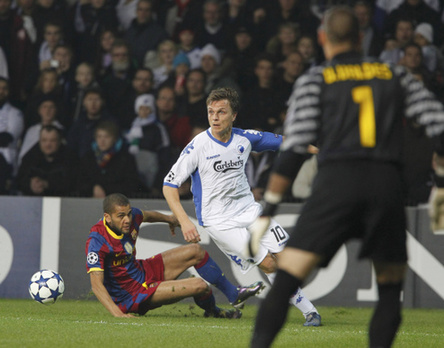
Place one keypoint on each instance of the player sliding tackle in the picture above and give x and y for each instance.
(125, 285)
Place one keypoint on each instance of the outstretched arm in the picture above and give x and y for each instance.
(189, 231)
(155, 216)
(103, 296)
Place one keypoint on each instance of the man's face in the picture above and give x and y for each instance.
(120, 219)
(93, 104)
(120, 58)
(49, 142)
(412, 57)
(243, 41)
(63, 56)
(208, 64)
(47, 111)
(362, 12)
(264, 70)
(104, 139)
(220, 118)
(211, 14)
(52, 35)
(4, 91)
(404, 32)
(165, 101)
(294, 65)
(143, 82)
(195, 84)
(143, 12)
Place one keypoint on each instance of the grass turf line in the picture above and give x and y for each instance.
(70, 323)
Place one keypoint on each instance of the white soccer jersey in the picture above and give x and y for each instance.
(219, 184)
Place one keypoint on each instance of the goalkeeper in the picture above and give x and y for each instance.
(352, 108)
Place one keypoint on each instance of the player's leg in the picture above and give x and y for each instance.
(172, 291)
(274, 240)
(177, 260)
(294, 266)
(387, 315)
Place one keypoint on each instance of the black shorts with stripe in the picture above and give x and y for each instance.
(356, 199)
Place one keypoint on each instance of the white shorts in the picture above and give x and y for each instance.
(232, 238)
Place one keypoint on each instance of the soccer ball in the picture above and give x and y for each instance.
(46, 286)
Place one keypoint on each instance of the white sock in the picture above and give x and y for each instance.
(302, 303)
(298, 299)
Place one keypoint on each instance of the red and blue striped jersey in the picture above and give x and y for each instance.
(115, 255)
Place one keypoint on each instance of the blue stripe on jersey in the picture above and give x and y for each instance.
(260, 141)
(220, 142)
(196, 189)
(170, 185)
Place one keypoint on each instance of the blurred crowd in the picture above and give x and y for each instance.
(101, 96)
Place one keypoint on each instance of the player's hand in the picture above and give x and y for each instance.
(124, 315)
(190, 233)
(173, 223)
(257, 230)
(436, 209)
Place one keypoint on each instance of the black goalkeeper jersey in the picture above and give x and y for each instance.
(353, 107)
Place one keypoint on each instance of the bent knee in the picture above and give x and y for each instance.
(200, 286)
(268, 265)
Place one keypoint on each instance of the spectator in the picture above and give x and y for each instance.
(212, 30)
(372, 41)
(65, 69)
(193, 103)
(107, 167)
(150, 144)
(144, 34)
(261, 106)
(53, 36)
(167, 50)
(292, 67)
(433, 59)
(417, 11)
(240, 58)
(49, 168)
(84, 79)
(11, 129)
(47, 111)
(403, 34)
(284, 42)
(53, 11)
(294, 11)
(47, 87)
(92, 18)
(126, 12)
(116, 83)
(103, 56)
(307, 46)
(177, 77)
(188, 46)
(17, 37)
(81, 134)
(178, 127)
(216, 76)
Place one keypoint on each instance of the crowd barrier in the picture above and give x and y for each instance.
(48, 232)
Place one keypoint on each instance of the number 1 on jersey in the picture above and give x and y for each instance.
(363, 96)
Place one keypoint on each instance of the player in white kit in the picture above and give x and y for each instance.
(215, 159)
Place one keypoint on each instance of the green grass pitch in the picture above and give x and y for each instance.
(83, 323)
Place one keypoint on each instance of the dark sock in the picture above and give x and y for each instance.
(274, 306)
(386, 317)
(207, 302)
(211, 272)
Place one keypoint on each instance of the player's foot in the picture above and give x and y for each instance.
(224, 313)
(313, 319)
(245, 292)
(257, 231)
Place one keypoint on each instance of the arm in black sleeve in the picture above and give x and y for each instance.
(289, 163)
